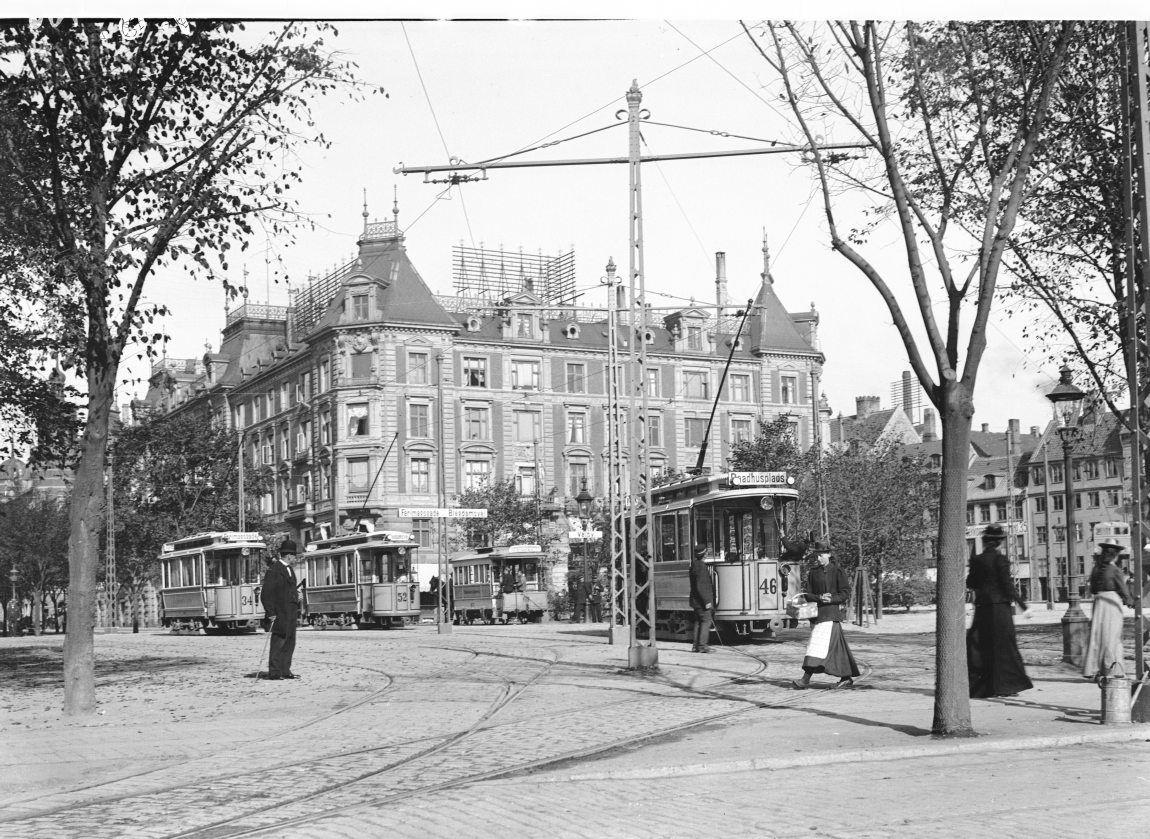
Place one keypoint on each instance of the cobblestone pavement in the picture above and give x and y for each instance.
(537, 730)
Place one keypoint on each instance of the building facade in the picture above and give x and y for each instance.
(371, 393)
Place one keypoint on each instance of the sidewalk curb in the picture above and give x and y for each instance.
(1116, 735)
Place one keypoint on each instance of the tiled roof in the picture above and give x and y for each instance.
(771, 329)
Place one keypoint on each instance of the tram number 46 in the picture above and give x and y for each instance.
(770, 586)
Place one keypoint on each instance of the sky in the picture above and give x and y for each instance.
(476, 90)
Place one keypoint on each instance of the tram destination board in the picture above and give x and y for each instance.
(442, 513)
(758, 479)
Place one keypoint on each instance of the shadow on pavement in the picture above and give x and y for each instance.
(38, 667)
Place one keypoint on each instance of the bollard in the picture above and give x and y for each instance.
(1115, 701)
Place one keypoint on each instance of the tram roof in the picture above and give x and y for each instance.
(377, 539)
(503, 553)
(731, 484)
(213, 539)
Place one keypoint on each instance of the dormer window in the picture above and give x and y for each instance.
(359, 306)
(523, 326)
(473, 324)
(649, 337)
(572, 330)
(989, 482)
(694, 337)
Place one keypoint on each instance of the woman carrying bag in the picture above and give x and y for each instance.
(827, 651)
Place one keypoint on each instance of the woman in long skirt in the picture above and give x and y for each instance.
(827, 651)
(994, 664)
(1104, 654)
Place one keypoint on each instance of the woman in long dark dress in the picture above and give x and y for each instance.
(993, 661)
(827, 651)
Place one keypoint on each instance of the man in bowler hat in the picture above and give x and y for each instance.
(280, 599)
(702, 600)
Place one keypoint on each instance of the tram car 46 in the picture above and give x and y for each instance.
(361, 579)
(211, 582)
(503, 584)
(743, 519)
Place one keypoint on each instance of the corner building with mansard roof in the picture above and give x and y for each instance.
(464, 390)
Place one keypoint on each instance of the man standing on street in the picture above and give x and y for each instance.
(702, 600)
(280, 599)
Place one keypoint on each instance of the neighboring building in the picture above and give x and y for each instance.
(17, 478)
(453, 391)
(1101, 492)
(871, 426)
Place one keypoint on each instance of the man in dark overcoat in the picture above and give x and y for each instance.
(702, 600)
(280, 599)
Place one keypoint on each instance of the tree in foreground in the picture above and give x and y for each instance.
(952, 116)
(142, 146)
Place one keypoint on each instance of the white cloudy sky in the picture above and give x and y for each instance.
(495, 87)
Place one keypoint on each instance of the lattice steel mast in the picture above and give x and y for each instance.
(616, 468)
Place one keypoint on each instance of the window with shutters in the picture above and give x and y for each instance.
(360, 365)
(357, 420)
(417, 366)
(474, 371)
(419, 419)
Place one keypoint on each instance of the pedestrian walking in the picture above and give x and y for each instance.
(993, 662)
(702, 600)
(1104, 655)
(827, 651)
(280, 599)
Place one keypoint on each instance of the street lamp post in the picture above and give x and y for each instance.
(13, 604)
(1067, 401)
(584, 500)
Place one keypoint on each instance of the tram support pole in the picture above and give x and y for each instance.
(443, 584)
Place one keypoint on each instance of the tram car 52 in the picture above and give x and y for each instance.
(504, 584)
(211, 582)
(743, 519)
(361, 579)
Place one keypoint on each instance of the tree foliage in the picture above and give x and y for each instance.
(771, 449)
(142, 146)
(175, 476)
(512, 519)
(34, 542)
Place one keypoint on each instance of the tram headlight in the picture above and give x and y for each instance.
(790, 479)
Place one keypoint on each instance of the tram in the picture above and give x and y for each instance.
(505, 584)
(745, 520)
(211, 582)
(360, 579)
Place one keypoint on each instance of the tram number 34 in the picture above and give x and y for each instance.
(247, 600)
(770, 586)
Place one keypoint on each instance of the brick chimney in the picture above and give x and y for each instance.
(720, 278)
(1034, 431)
(865, 406)
(929, 434)
(986, 428)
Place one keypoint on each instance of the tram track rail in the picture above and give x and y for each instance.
(733, 687)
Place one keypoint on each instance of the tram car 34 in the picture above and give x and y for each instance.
(503, 584)
(211, 582)
(743, 519)
(361, 579)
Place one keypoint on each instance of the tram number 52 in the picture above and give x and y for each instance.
(770, 586)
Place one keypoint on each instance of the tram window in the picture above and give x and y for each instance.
(215, 570)
(705, 531)
(732, 530)
(766, 535)
(367, 572)
(667, 538)
(684, 551)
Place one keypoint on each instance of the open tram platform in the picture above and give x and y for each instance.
(539, 730)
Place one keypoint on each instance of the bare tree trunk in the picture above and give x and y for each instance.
(952, 693)
(84, 517)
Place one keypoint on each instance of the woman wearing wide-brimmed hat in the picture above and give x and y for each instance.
(994, 664)
(1104, 655)
(827, 651)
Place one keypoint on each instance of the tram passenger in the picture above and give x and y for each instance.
(827, 651)
(280, 599)
(702, 600)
